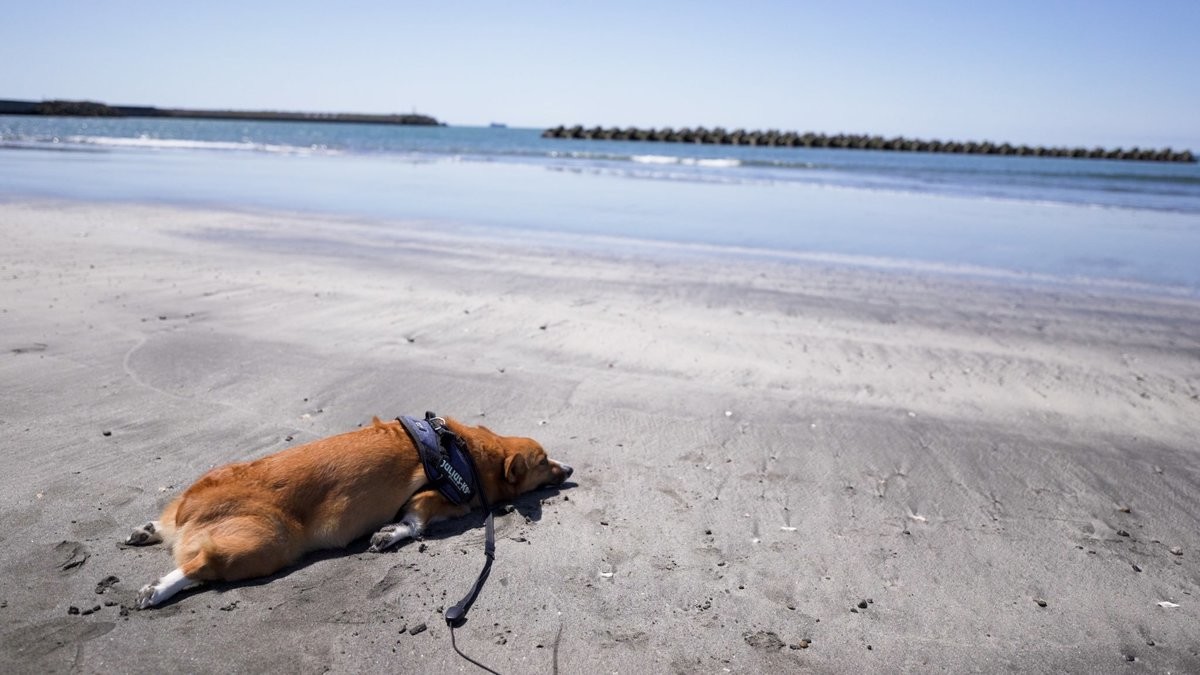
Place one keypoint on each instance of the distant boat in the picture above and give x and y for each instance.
(498, 125)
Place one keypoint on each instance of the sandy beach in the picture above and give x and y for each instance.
(778, 465)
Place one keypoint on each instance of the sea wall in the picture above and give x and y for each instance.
(792, 139)
(96, 109)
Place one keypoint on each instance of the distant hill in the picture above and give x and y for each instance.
(96, 109)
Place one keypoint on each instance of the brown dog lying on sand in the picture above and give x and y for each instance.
(251, 519)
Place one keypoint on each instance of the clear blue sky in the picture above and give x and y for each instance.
(1088, 72)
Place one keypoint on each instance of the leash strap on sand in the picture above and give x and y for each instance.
(457, 615)
(455, 645)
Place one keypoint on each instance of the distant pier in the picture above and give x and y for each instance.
(792, 139)
(95, 109)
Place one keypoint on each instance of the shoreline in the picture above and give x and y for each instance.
(621, 246)
(1004, 471)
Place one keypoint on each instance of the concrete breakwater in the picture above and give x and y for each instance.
(792, 139)
(95, 109)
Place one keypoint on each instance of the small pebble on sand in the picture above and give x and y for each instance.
(1040, 602)
(1175, 550)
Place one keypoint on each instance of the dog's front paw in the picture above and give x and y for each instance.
(145, 535)
(388, 535)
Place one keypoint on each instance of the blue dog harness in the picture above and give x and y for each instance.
(448, 465)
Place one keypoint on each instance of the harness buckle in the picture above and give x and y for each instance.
(438, 423)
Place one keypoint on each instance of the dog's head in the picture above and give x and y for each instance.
(510, 465)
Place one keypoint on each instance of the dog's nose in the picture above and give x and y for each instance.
(567, 470)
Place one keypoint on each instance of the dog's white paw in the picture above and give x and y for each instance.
(162, 590)
(145, 535)
(147, 597)
(389, 535)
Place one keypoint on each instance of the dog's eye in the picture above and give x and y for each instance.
(545, 461)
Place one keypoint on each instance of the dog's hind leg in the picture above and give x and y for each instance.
(155, 531)
(234, 549)
(167, 586)
(147, 534)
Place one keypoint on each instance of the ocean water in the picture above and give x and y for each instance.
(1079, 220)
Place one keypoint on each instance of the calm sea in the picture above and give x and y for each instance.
(1060, 218)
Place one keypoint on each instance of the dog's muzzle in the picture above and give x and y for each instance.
(565, 468)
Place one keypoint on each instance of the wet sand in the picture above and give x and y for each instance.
(778, 465)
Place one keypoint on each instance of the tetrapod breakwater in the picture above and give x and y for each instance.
(792, 139)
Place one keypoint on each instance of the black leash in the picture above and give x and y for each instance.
(457, 615)
(455, 645)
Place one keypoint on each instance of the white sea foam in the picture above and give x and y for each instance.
(150, 143)
(712, 163)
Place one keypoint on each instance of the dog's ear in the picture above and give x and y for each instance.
(514, 468)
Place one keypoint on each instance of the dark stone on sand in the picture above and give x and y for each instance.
(854, 609)
(803, 644)
(1175, 550)
(862, 604)
(764, 639)
(106, 583)
(869, 647)
(1149, 643)
(107, 433)
(1040, 602)
(419, 628)
(1137, 567)
(1130, 657)
(93, 610)
(1122, 533)
(72, 610)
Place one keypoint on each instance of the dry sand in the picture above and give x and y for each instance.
(760, 446)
